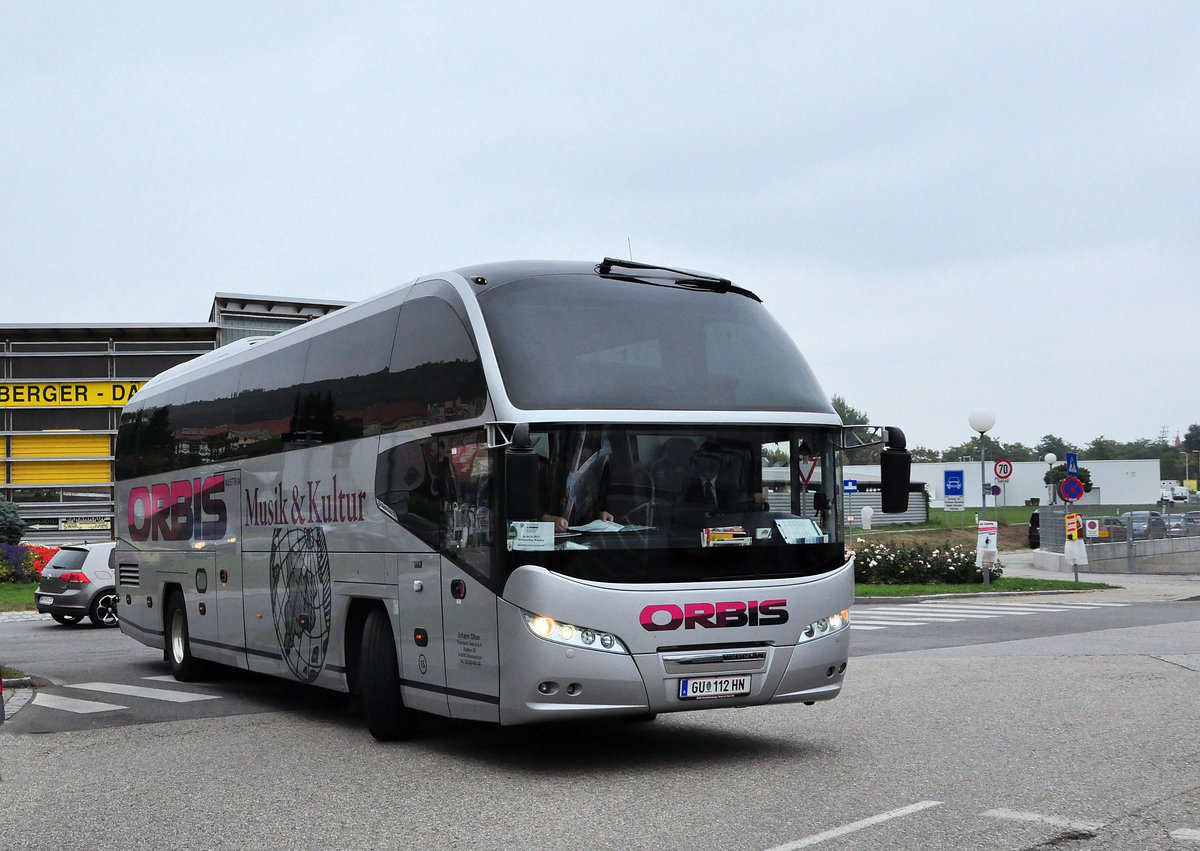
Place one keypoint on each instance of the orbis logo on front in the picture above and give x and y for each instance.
(734, 613)
(184, 510)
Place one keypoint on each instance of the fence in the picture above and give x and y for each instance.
(1165, 543)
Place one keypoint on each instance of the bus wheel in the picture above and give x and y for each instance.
(379, 680)
(184, 666)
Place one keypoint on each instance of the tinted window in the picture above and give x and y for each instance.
(439, 489)
(572, 341)
(438, 374)
(46, 419)
(200, 425)
(61, 367)
(347, 386)
(267, 403)
(147, 366)
(145, 442)
(67, 559)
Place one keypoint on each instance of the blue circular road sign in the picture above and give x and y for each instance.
(1071, 489)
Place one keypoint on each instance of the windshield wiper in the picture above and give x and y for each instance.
(692, 280)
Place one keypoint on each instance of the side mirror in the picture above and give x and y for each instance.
(521, 477)
(895, 471)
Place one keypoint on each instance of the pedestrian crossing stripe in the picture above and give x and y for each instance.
(143, 691)
(72, 704)
(83, 707)
(922, 614)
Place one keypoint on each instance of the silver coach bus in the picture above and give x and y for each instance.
(509, 493)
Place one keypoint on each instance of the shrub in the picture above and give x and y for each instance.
(12, 527)
(879, 563)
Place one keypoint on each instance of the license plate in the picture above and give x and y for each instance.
(45, 601)
(714, 686)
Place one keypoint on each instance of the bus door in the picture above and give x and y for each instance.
(227, 550)
(213, 583)
(420, 635)
(472, 654)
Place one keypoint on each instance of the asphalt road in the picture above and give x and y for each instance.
(1070, 728)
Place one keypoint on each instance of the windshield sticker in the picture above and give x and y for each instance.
(800, 530)
(529, 536)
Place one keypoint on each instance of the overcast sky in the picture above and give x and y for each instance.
(948, 205)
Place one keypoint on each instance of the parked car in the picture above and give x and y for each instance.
(1144, 524)
(79, 581)
(1192, 519)
(1176, 525)
(1035, 530)
(1112, 529)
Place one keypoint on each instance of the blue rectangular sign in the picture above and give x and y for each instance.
(1072, 463)
(849, 485)
(954, 483)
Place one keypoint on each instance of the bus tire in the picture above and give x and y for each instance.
(184, 666)
(379, 680)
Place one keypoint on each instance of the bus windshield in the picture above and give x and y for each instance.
(669, 504)
(564, 344)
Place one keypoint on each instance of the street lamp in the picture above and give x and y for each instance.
(1050, 459)
(981, 420)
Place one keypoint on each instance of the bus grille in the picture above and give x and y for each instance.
(129, 574)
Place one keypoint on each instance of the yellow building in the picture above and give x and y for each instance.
(61, 392)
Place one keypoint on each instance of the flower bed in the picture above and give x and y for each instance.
(878, 563)
(23, 562)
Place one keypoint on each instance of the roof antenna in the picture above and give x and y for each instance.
(630, 244)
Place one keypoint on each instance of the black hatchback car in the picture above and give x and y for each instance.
(1035, 530)
(78, 581)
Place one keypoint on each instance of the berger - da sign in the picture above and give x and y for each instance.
(66, 394)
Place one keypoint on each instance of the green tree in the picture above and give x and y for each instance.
(1103, 449)
(12, 527)
(1056, 476)
(1051, 443)
(970, 449)
(922, 453)
(1191, 440)
(1017, 452)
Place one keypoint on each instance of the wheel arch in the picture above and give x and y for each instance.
(356, 618)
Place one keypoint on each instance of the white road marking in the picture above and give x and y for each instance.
(71, 704)
(143, 691)
(872, 616)
(856, 826)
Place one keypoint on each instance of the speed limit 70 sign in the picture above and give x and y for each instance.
(1003, 469)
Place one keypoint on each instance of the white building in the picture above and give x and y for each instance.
(1113, 482)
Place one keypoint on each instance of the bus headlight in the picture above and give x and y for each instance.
(572, 636)
(826, 626)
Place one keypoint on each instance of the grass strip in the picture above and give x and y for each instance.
(17, 596)
(1005, 583)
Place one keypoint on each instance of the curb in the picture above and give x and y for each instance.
(924, 598)
(21, 682)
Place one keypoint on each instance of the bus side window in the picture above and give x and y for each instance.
(438, 374)
(439, 489)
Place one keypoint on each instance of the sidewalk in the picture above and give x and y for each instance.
(1134, 587)
(11, 617)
